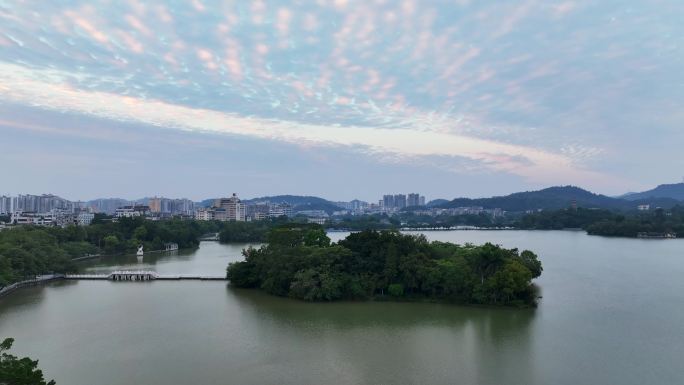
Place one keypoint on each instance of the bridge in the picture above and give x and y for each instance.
(144, 275)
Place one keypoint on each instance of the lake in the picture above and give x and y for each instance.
(612, 312)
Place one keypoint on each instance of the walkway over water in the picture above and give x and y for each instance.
(143, 275)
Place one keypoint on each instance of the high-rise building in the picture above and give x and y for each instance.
(234, 208)
(358, 205)
(42, 203)
(183, 206)
(172, 206)
(421, 200)
(413, 199)
(6, 205)
(108, 205)
(155, 205)
(388, 201)
(400, 201)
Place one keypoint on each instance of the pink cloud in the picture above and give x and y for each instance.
(138, 25)
(198, 5)
(512, 19)
(87, 27)
(563, 9)
(133, 44)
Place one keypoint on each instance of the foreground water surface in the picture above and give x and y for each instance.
(612, 312)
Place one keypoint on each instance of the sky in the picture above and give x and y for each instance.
(341, 99)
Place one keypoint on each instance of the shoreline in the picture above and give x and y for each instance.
(9, 289)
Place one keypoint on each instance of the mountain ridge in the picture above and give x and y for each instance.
(671, 190)
(557, 197)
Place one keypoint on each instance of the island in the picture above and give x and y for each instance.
(299, 261)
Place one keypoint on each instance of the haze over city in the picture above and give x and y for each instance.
(341, 99)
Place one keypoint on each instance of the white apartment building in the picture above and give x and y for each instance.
(225, 209)
(131, 211)
(85, 218)
(204, 214)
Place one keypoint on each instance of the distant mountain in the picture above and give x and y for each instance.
(299, 202)
(671, 191)
(555, 198)
(108, 205)
(205, 202)
(437, 202)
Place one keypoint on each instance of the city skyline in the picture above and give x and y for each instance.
(126, 99)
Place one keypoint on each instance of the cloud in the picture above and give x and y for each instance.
(47, 89)
(576, 80)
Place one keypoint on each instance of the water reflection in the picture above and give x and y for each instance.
(398, 342)
(131, 260)
(211, 260)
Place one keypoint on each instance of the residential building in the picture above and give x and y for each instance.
(644, 207)
(171, 206)
(6, 205)
(220, 214)
(234, 209)
(313, 213)
(358, 205)
(388, 201)
(400, 201)
(85, 218)
(204, 214)
(279, 210)
(132, 211)
(32, 218)
(42, 203)
(421, 200)
(257, 211)
(317, 220)
(156, 204)
(413, 200)
(108, 205)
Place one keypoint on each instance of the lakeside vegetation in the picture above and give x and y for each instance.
(300, 262)
(608, 223)
(19, 371)
(254, 231)
(27, 251)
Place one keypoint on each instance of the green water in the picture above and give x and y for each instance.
(612, 313)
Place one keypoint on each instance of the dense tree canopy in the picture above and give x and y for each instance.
(300, 262)
(608, 223)
(27, 251)
(19, 371)
(565, 219)
(254, 231)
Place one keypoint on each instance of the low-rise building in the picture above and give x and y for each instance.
(132, 211)
(85, 218)
(279, 209)
(317, 220)
(204, 214)
(224, 209)
(32, 218)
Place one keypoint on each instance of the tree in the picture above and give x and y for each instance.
(111, 244)
(140, 233)
(19, 371)
(530, 261)
(301, 264)
(395, 290)
(316, 237)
